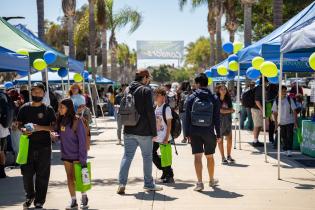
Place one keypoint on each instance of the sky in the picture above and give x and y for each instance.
(162, 20)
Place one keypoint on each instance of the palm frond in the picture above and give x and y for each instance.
(128, 16)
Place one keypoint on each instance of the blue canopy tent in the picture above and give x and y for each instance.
(10, 61)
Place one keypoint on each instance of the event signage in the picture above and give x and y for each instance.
(160, 49)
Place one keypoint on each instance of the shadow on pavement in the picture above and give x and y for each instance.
(301, 186)
(179, 184)
(154, 196)
(238, 165)
(219, 193)
(10, 196)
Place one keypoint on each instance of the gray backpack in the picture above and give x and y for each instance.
(202, 112)
(128, 113)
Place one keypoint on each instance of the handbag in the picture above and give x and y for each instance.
(23, 150)
(80, 186)
(166, 155)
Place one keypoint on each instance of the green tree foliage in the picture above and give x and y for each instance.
(184, 74)
(198, 54)
(161, 74)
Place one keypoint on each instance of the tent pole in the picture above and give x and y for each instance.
(29, 84)
(99, 101)
(264, 116)
(90, 93)
(297, 83)
(47, 87)
(279, 112)
(68, 78)
(62, 88)
(239, 106)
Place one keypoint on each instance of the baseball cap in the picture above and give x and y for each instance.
(39, 85)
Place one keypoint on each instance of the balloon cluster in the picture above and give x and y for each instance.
(265, 68)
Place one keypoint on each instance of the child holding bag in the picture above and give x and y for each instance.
(72, 134)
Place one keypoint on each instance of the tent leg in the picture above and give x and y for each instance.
(90, 93)
(235, 123)
(68, 78)
(29, 85)
(239, 107)
(279, 113)
(264, 116)
(99, 101)
(297, 83)
(62, 88)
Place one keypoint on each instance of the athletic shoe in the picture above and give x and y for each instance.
(73, 205)
(28, 202)
(38, 206)
(230, 159)
(258, 144)
(213, 183)
(84, 202)
(199, 187)
(121, 189)
(169, 180)
(154, 188)
(163, 176)
(224, 161)
(289, 153)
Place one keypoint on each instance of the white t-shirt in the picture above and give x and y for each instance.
(287, 112)
(161, 126)
(4, 132)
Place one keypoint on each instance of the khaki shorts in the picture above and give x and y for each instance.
(257, 117)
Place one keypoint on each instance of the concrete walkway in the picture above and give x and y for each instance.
(249, 184)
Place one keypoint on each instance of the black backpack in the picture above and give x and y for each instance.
(248, 98)
(176, 124)
(183, 101)
(127, 110)
(202, 111)
(7, 110)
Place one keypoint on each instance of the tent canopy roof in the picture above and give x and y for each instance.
(10, 61)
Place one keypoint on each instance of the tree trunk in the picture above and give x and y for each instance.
(41, 26)
(212, 30)
(104, 52)
(212, 49)
(113, 50)
(247, 24)
(218, 33)
(70, 36)
(92, 37)
(277, 13)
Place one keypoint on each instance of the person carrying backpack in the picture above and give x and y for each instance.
(171, 96)
(288, 120)
(203, 128)
(183, 94)
(137, 116)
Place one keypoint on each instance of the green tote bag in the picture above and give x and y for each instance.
(166, 155)
(79, 185)
(23, 150)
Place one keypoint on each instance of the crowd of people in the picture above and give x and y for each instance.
(149, 118)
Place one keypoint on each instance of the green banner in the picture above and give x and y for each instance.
(308, 133)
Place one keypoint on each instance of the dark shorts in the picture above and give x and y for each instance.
(68, 160)
(3, 144)
(225, 125)
(205, 143)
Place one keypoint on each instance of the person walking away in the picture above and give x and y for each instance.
(72, 133)
(183, 94)
(226, 111)
(288, 120)
(171, 96)
(257, 114)
(203, 128)
(117, 104)
(163, 115)
(140, 132)
(43, 118)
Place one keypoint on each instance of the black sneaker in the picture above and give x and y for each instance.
(230, 159)
(258, 144)
(163, 176)
(73, 205)
(169, 180)
(224, 161)
(84, 202)
(39, 206)
(28, 202)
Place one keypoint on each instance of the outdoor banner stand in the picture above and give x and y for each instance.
(264, 115)
(90, 93)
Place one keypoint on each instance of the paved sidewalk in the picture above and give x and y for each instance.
(249, 184)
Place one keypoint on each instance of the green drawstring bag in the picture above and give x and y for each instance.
(268, 109)
(79, 185)
(166, 155)
(23, 150)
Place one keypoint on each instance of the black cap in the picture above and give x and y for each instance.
(39, 85)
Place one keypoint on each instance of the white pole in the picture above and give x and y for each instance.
(29, 85)
(90, 93)
(98, 100)
(47, 88)
(62, 88)
(239, 106)
(264, 116)
(279, 112)
(68, 78)
(297, 83)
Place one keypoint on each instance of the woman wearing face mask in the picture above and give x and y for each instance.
(76, 96)
(73, 147)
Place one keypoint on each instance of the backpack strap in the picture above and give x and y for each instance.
(164, 112)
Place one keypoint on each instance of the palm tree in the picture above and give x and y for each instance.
(220, 7)
(41, 25)
(102, 22)
(277, 13)
(92, 36)
(231, 23)
(248, 20)
(116, 21)
(123, 57)
(68, 7)
(211, 19)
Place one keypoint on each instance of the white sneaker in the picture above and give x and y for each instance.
(199, 187)
(289, 153)
(155, 188)
(213, 182)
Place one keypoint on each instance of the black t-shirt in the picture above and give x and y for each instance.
(42, 115)
(226, 104)
(258, 95)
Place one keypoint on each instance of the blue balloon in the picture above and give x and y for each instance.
(233, 57)
(208, 73)
(50, 57)
(273, 80)
(231, 75)
(62, 72)
(8, 85)
(252, 73)
(22, 73)
(85, 74)
(228, 47)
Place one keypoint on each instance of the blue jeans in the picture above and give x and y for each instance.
(131, 143)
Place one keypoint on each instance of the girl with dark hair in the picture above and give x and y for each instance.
(73, 147)
(226, 111)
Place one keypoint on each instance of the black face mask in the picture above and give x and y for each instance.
(37, 98)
